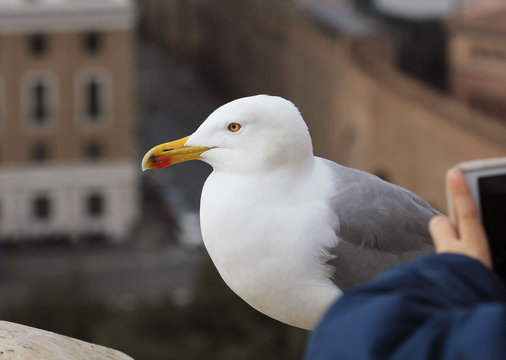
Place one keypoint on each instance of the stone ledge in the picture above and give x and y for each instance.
(19, 342)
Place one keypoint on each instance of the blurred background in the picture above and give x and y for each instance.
(93, 248)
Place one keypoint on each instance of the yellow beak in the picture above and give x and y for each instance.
(170, 153)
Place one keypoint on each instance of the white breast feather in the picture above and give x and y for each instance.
(270, 246)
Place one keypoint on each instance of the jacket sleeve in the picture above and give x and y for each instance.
(443, 306)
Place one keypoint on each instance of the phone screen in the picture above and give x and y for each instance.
(492, 191)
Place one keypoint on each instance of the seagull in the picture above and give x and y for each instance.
(286, 230)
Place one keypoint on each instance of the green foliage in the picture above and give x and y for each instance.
(215, 325)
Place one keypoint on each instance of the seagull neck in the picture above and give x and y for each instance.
(295, 167)
(265, 168)
(290, 169)
(280, 180)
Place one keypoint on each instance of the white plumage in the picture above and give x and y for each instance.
(278, 222)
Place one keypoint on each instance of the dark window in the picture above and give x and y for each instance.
(93, 99)
(482, 53)
(41, 208)
(92, 43)
(479, 52)
(490, 104)
(93, 150)
(40, 152)
(95, 205)
(37, 45)
(39, 101)
(1, 102)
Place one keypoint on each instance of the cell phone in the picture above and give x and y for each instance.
(487, 182)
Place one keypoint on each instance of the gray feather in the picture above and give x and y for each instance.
(381, 225)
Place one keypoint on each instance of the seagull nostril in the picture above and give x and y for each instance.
(164, 150)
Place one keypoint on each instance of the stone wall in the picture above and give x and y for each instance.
(19, 342)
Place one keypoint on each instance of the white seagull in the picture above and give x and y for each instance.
(286, 230)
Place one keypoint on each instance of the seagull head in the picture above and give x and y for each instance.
(257, 133)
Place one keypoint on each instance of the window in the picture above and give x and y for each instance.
(1, 103)
(93, 99)
(93, 150)
(39, 101)
(37, 45)
(41, 209)
(488, 53)
(488, 103)
(93, 92)
(39, 153)
(95, 205)
(92, 43)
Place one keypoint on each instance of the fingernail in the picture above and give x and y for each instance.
(454, 175)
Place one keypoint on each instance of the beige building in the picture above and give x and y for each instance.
(66, 119)
(477, 56)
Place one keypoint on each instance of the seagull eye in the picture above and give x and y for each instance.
(234, 127)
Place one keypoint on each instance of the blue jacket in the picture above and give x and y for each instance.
(438, 307)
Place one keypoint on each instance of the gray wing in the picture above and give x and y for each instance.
(381, 225)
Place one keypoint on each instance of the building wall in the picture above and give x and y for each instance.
(173, 23)
(478, 61)
(64, 64)
(360, 110)
(68, 188)
(47, 193)
(410, 132)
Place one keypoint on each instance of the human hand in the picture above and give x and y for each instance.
(469, 237)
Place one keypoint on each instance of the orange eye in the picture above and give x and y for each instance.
(234, 127)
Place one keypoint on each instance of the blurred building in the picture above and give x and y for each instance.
(421, 10)
(475, 7)
(478, 57)
(340, 71)
(67, 119)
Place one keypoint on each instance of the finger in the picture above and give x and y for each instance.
(468, 220)
(443, 233)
